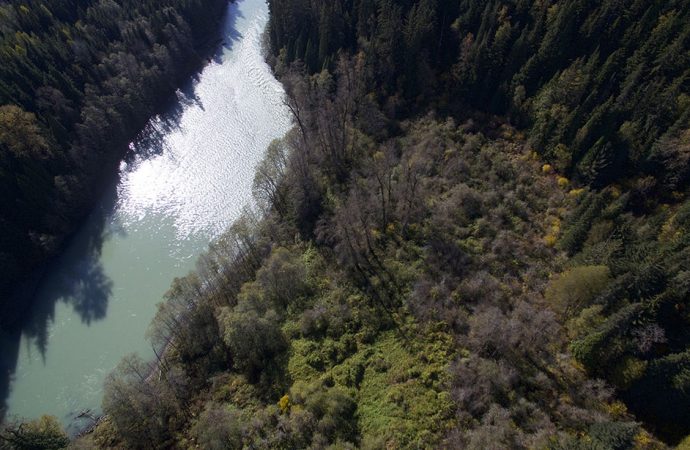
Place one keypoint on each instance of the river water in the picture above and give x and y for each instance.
(187, 177)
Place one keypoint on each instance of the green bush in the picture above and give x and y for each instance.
(614, 435)
(254, 339)
(218, 428)
(575, 289)
(282, 277)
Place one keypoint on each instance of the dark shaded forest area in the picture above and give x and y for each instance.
(476, 236)
(78, 79)
(602, 86)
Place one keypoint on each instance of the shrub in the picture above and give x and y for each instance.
(218, 428)
(44, 433)
(254, 340)
(628, 371)
(314, 322)
(336, 412)
(282, 277)
(576, 288)
(614, 435)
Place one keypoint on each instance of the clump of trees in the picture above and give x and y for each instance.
(632, 328)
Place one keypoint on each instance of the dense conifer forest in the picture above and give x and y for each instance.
(476, 236)
(78, 79)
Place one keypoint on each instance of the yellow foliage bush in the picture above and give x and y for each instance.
(617, 409)
(284, 403)
(562, 182)
(546, 168)
(556, 226)
(554, 231)
(550, 240)
(669, 231)
(628, 371)
(643, 440)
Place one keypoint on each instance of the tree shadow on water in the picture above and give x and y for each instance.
(75, 278)
(229, 33)
(9, 354)
(151, 140)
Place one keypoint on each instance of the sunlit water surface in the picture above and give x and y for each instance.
(186, 179)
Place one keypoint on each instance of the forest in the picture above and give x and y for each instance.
(78, 80)
(476, 236)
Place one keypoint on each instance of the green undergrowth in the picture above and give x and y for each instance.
(400, 392)
(344, 360)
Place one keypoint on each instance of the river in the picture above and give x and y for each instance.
(186, 178)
